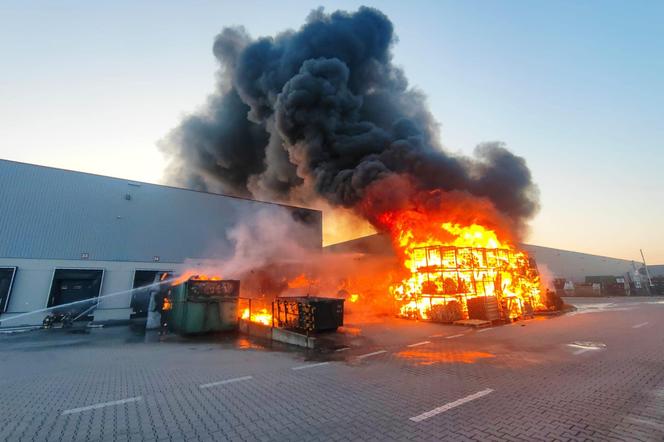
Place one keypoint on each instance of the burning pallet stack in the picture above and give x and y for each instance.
(450, 283)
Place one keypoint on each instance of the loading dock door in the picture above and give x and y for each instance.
(72, 285)
(6, 281)
(140, 299)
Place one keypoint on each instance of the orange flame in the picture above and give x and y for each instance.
(262, 316)
(193, 275)
(298, 282)
(450, 264)
(205, 278)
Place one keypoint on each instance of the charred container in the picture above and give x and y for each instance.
(204, 306)
(309, 314)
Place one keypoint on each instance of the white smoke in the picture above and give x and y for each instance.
(269, 237)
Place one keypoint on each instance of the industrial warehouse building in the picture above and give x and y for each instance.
(67, 236)
(556, 264)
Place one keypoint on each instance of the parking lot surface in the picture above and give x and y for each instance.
(594, 374)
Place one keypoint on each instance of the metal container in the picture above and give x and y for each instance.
(310, 314)
(204, 306)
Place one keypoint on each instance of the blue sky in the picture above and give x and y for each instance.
(576, 87)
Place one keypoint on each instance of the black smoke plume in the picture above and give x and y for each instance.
(323, 112)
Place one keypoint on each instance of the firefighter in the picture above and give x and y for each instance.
(163, 306)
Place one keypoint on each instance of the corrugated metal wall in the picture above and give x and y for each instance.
(558, 263)
(51, 213)
(576, 266)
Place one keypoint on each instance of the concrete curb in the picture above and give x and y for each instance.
(276, 334)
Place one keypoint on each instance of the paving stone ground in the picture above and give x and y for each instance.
(540, 387)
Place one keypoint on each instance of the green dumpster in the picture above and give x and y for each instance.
(204, 306)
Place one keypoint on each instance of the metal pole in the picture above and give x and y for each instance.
(647, 272)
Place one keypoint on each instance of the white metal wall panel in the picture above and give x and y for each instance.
(49, 213)
(559, 263)
(33, 281)
(575, 265)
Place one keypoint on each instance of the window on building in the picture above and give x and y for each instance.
(6, 282)
(140, 299)
(72, 286)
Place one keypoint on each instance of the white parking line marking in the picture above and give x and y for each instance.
(640, 325)
(102, 405)
(226, 381)
(454, 336)
(449, 406)
(342, 349)
(302, 367)
(419, 343)
(437, 336)
(584, 347)
(485, 330)
(371, 354)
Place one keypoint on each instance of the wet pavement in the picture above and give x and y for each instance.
(594, 374)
